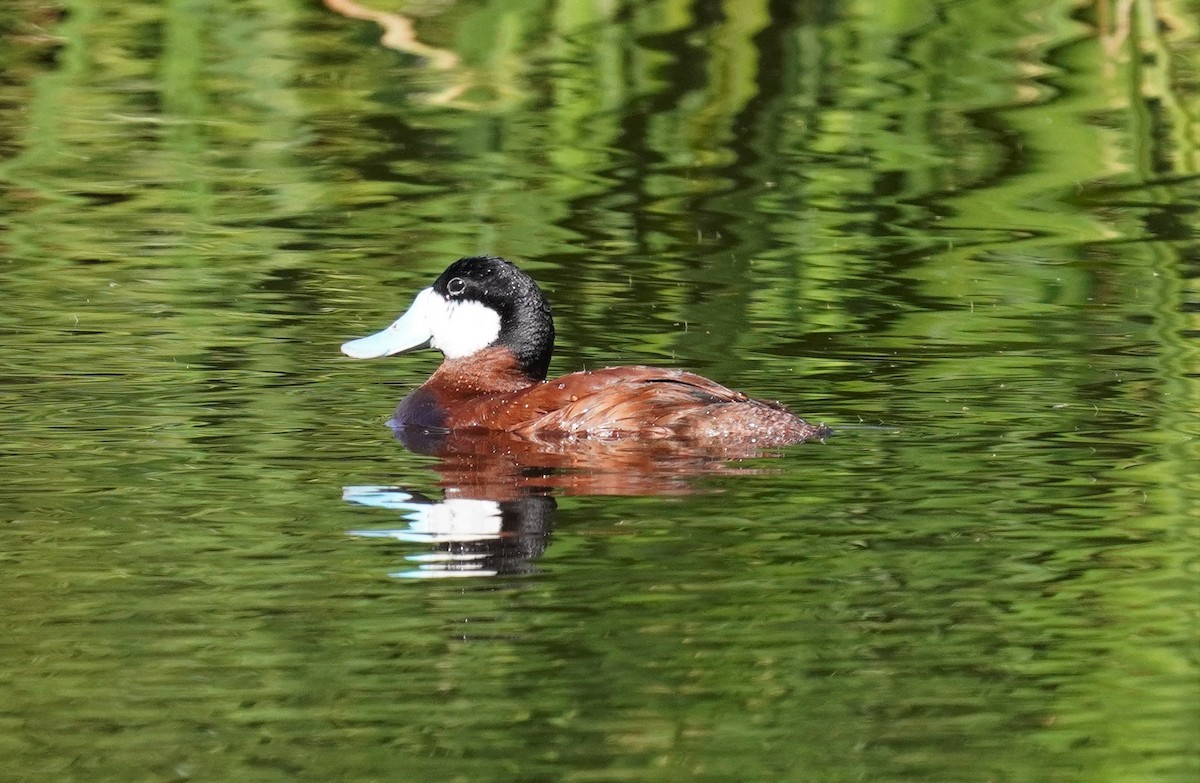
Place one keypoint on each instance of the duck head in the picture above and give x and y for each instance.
(477, 303)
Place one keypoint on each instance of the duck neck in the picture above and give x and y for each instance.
(489, 371)
(530, 339)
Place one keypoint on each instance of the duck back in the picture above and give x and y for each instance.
(633, 402)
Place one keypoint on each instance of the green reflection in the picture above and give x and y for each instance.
(971, 223)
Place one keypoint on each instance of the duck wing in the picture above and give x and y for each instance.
(648, 402)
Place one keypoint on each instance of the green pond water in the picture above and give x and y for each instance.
(963, 234)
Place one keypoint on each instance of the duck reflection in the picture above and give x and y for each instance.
(505, 466)
(470, 536)
(498, 508)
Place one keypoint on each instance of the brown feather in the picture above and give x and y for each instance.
(642, 402)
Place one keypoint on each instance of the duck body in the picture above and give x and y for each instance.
(641, 402)
(495, 329)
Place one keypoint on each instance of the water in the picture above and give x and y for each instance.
(962, 235)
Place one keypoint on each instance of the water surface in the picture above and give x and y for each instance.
(964, 235)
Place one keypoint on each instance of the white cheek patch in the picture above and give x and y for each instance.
(462, 328)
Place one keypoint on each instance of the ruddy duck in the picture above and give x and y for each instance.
(493, 325)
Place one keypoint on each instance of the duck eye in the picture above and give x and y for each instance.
(456, 286)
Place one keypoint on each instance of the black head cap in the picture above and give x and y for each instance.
(526, 326)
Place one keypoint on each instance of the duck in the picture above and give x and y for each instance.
(494, 328)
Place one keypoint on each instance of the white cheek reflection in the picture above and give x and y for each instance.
(448, 524)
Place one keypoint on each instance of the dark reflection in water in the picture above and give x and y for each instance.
(498, 510)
